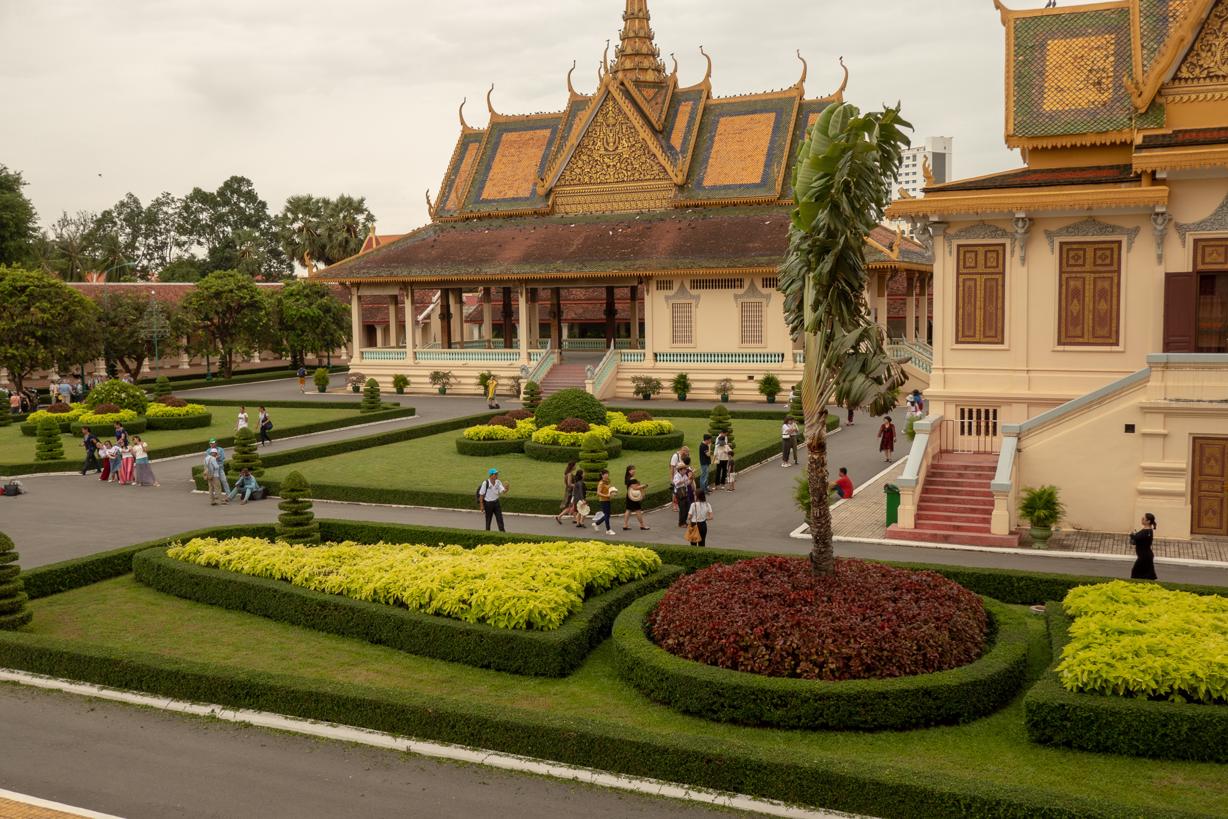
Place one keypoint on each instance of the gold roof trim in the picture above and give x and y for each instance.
(551, 276)
(1143, 91)
(1008, 200)
(1125, 135)
(1181, 158)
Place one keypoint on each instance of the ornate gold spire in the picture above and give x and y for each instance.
(637, 57)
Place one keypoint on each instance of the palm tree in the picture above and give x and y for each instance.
(346, 222)
(300, 227)
(841, 185)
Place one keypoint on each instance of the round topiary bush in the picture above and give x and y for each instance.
(593, 459)
(13, 610)
(773, 616)
(572, 403)
(296, 523)
(6, 417)
(48, 446)
(574, 425)
(370, 396)
(123, 395)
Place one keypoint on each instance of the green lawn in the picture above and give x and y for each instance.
(18, 448)
(433, 463)
(123, 615)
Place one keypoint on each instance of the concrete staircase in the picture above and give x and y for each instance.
(956, 503)
(562, 377)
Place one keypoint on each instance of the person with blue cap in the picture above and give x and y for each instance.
(488, 498)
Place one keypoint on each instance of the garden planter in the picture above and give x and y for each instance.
(400, 390)
(724, 398)
(356, 388)
(322, 389)
(646, 397)
(771, 399)
(1040, 536)
(443, 390)
(682, 396)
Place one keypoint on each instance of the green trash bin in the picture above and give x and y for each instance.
(893, 503)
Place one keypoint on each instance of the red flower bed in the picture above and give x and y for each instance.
(519, 414)
(772, 616)
(573, 425)
(637, 416)
(502, 421)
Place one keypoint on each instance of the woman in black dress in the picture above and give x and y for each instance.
(1145, 565)
(578, 492)
(566, 508)
(635, 499)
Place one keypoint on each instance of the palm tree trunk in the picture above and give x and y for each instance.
(822, 551)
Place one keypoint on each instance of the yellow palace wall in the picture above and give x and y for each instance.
(1029, 372)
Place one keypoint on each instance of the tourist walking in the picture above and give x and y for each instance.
(144, 471)
(886, 439)
(266, 424)
(723, 458)
(684, 490)
(788, 441)
(1145, 560)
(849, 422)
(705, 460)
(579, 506)
(90, 442)
(492, 391)
(115, 455)
(491, 490)
(604, 494)
(567, 506)
(127, 465)
(121, 434)
(104, 455)
(245, 484)
(698, 516)
(302, 380)
(241, 421)
(916, 404)
(214, 475)
(635, 499)
(843, 485)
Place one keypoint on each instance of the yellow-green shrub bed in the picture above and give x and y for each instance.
(497, 432)
(1140, 640)
(533, 586)
(156, 410)
(552, 436)
(621, 426)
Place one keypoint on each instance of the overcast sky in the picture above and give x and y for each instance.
(360, 96)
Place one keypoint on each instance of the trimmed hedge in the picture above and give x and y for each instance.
(1119, 725)
(180, 422)
(535, 653)
(134, 427)
(566, 454)
(327, 404)
(195, 382)
(489, 449)
(652, 443)
(942, 698)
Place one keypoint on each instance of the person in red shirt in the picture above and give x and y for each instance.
(843, 484)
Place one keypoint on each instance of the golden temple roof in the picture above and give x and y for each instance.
(637, 58)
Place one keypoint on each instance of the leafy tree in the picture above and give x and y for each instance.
(226, 313)
(73, 248)
(321, 231)
(233, 228)
(43, 323)
(370, 396)
(14, 613)
(347, 222)
(18, 220)
(47, 444)
(246, 455)
(186, 269)
(307, 319)
(296, 523)
(163, 241)
(119, 233)
(842, 184)
(125, 340)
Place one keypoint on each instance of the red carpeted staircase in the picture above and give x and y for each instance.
(956, 503)
(563, 376)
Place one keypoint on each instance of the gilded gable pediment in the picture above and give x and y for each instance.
(611, 152)
(1206, 63)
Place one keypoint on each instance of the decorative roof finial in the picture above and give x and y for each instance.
(637, 57)
(927, 172)
(571, 89)
(708, 74)
(839, 95)
(430, 206)
(801, 83)
(674, 57)
(490, 106)
(605, 63)
(464, 125)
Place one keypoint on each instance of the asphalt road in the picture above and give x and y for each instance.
(144, 764)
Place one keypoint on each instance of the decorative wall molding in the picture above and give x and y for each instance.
(1218, 220)
(980, 230)
(1160, 220)
(922, 231)
(682, 294)
(752, 293)
(1092, 227)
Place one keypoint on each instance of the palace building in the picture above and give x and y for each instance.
(1081, 310)
(635, 232)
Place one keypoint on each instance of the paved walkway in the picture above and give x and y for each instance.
(1108, 543)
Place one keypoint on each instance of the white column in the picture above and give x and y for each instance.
(355, 322)
(100, 368)
(488, 319)
(458, 317)
(635, 316)
(436, 327)
(410, 321)
(910, 315)
(523, 334)
(880, 299)
(185, 360)
(392, 321)
(649, 313)
(925, 307)
(4, 377)
(256, 357)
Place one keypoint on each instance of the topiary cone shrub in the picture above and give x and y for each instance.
(570, 403)
(296, 523)
(48, 446)
(245, 454)
(593, 459)
(161, 387)
(531, 396)
(720, 421)
(795, 407)
(13, 610)
(370, 396)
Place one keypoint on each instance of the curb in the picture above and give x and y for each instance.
(432, 750)
(57, 807)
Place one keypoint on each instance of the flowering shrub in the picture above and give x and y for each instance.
(126, 396)
(573, 425)
(520, 431)
(773, 616)
(73, 414)
(91, 419)
(512, 586)
(553, 436)
(623, 425)
(157, 410)
(1140, 640)
(170, 401)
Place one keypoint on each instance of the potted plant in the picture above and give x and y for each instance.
(723, 388)
(357, 381)
(681, 385)
(321, 379)
(1042, 508)
(399, 383)
(645, 386)
(442, 379)
(770, 387)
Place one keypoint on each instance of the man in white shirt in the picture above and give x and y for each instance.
(490, 491)
(788, 441)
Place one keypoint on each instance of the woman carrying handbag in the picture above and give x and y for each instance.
(697, 520)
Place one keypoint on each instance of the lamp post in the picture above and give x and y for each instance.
(154, 325)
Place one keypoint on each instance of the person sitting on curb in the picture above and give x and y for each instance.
(245, 484)
(843, 485)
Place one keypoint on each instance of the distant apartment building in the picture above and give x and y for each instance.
(912, 172)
